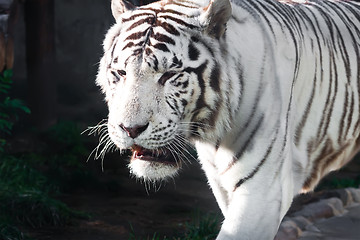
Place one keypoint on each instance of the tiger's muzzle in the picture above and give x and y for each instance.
(160, 155)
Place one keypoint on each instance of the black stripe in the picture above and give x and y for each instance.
(200, 103)
(156, 63)
(345, 111)
(162, 38)
(175, 111)
(240, 73)
(252, 174)
(301, 125)
(137, 35)
(113, 47)
(148, 51)
(162, 10)
(133, 17)
(345, 56)
(250, 138)
(215, 78)
(197, 40)
(168, 27)
(129, 45)
(258, 10)
(193, 52)
(255, 104)
(329, 107)
(162, 47)
(351, 115)
(176, 63)
(149, 20)
(173, 12)
(179, 21)
(214, 114)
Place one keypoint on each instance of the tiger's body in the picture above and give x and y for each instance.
(267, 91)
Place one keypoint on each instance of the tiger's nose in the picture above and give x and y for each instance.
(135, 131)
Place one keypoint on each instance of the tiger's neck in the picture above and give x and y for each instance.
(256, 109)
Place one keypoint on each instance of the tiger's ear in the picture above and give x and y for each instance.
(215, 17)
(118, 7)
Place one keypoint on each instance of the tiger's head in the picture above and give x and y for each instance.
(161, 75)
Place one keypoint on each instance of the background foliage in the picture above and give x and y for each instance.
(9, 108)
(27, 193)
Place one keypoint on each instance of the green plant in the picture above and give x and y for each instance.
(25, 196)
(26, 193)
(155, 236)
(17, 173)
(9, 232)
(66, 135)
(65, 157)
(9, 107)
(202, 227)
(335, 183)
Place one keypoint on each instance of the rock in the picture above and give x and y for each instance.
(345, 196)
(337, 206)
(301, 222)
(333, 218)
(323, 209)
(345, 227)
(288, 231)
(355, 194)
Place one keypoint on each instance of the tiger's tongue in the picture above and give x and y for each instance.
(162, 156)
(142, 153)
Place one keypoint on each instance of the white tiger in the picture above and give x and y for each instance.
(267, 91)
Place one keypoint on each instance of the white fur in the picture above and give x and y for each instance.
(270, 75)
(150, 171)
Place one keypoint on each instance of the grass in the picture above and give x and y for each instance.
(27, 198)
(28, 192)
(346, 177)
(201, 227)
(28, 187)
(336, 183)
(9, 232)
(154, 237)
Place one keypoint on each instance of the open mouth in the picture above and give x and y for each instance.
(160, 155)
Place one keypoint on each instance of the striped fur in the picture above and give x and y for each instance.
(267, 91)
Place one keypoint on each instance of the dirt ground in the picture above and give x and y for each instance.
(122, 206)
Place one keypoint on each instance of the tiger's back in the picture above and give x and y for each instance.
(326, 86)
(267, 91)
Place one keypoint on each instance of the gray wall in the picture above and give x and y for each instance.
(80, 28)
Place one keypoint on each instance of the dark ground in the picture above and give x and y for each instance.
(121, 207)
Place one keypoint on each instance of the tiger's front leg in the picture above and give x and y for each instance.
(254, 212)
(253, 203)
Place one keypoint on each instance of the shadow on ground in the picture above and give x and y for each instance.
(122, 207)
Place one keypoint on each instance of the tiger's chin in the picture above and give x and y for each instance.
(153, 165)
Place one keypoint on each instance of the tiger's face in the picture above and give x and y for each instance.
(153, 73)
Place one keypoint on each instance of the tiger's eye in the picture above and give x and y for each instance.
(118, 75)
(121, 72)
(166, 76)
